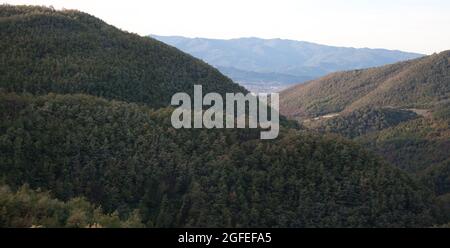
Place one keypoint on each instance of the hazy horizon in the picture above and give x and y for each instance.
(278, 38)
(412, 26)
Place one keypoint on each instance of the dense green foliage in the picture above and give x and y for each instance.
(44, 50)
(363, 121)
(404, 139)
(78, 118)
(419, 83)
(413, 145)
(419, 145)
(437, 177)
(367, 105)
(375, 107)
(34, 208)
(124, 156)
(411, 142)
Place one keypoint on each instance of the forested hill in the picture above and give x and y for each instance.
(128, 158)
(99, 144)
(44, 50)
(401, 112)
(419, 83)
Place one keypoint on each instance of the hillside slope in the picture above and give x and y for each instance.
(400, 112)
(123, 156)
(362, 121)
(414, 145)
(419, 83)
(44, 50)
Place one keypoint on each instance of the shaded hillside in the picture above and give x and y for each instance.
(419, 145)
(401, 112)
(362, 121)
(414, 145)
(107, 147)
(44, 50)
(437, 177)
(420, 83)
(405, 139)
(280, 61)
(123, 156)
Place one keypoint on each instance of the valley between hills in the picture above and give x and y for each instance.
(86, 139)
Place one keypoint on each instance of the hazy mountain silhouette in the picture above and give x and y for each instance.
(271, 62)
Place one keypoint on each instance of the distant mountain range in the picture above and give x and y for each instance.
(271, 64)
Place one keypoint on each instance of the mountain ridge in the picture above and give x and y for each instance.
(299, 59)
(90, 56)
(418, 83)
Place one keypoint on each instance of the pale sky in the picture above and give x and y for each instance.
(410, 25)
